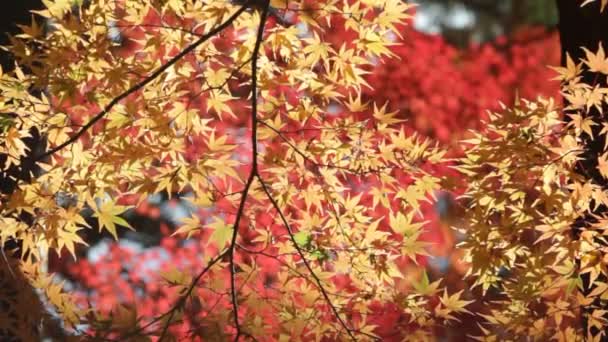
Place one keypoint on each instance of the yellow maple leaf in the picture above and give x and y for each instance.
(108, 216)
(222, 232)
(570, 72)
(385, 118)
(451, 304)
(14, 145)
(602, 165)
(596, 62)
(190, 226)
(218, 102)
(582, 124)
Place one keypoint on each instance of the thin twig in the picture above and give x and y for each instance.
(309, 159)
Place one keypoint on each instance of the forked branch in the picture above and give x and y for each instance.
(334, 309)
(254, 165)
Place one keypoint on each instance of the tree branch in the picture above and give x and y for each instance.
(349, 331)
(254, 164)
(145, 81)
(183, 298)
(180, 302)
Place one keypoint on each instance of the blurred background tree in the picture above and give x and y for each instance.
(464, 21)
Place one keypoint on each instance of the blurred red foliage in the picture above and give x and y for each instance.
(443, 91)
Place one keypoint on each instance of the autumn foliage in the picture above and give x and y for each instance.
(311, 147)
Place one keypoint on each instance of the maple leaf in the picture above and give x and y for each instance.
(602, 165)
(222, 232)
(68, 237)
(374, 43)
(56, 8)
(217, 102)
(32, 31)
(219, 143)
(385, 118)
(175, 277)
(355, 104)
(124, 317)
(318, 51)
(424, 287)
(190, 225)
(403, 224)
(570, 72)
(14, 148)
(583, 124)
(303, 239)
(451, 304)
(107, 214)
(596, 62)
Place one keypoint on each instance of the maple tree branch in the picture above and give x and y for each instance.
(254, 87)
(157, 26)
(231, 249)
(106, 109)
(254, 164)
(334, 309)
(179, 303)
(182, 299)
(318, 129)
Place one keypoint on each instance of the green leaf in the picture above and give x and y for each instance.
(222, 232)
(303, 239)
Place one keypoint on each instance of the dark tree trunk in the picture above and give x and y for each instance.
(13, 14)
(586, 27)
(581, 27)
